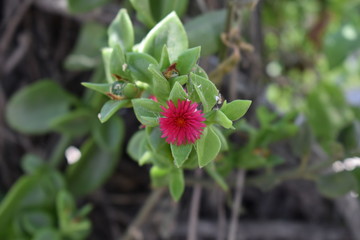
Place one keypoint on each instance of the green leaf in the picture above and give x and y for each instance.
(161, 86)
(32, 109)
(169, 32)
(139, 64)
(180, 153)
(118, 64)
(110, 134)
(80, 6)
(143, 11)
(177, 92)
(235, 109)
(208, 147)
(98, 161)
(160, 149)
(110, 108)
(202, 89)
(336, 184)
(159, 176)
(164, 59)
(75, 123)
(222, 119)
(161, 8)
(224, 142)
(46, 234)
(147, 111)
(201, 72)
(86, 54)
(339, 44)
(34, 220)
(187, 60)
(103, 88)
(205, 31)
(121, 31)
(30, 163)
(212, 171)
(137, 145)
(180, 79)
(65, 207)
(177, 184)
(106, 56)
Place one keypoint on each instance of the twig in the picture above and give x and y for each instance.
(17, 55)
(12, 25)
(194, 209)
(221, 225)
(240, 178)
(143, 213)
(272, 230)
(349, 208)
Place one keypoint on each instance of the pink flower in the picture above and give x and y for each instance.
(181, 124)
(152, 97)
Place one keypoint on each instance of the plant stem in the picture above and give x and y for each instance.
(194, 209)
(143, 214)
(58, 153)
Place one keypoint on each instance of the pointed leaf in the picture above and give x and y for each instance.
(99, 87)
(223, 120)
(138, 64)
(236, 109)
(177, 184)
(143, 11)
(121, 31)
(180, 153)
(164, 59)
(208, 146)
(202, 89)
(169, 32)
(147, 111)
(118, 64)
(177, 92)
(187, 60)
(110, 108)
(161, 85)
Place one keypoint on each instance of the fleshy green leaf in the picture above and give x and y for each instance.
(159, 148)
(164, 59)
(143, 11)
(177, 92)
(111, 107)
(161, 85)
(236, 109)
(187, 60)
(202, 89)
(137, 145)
(159, 176)
(121, 31)
(99, 87)
(169, 32)
(177, 184)
(118, 63)
(97, 162)
(205, 31)
(147, 111)
(30, 163)
(109, 135)
(75, 123)
(139, 64)
(106, 55)
(208, 146)
(46, 234)
(180, 153)
(336, 184)
(86, 54)
(224, 143)
(80, 6)
(34, 220)
(222, 119)
(180, 79)
(32, 109)
(161, 8)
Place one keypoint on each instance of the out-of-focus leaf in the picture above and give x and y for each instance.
(177, 184)
(205, 31)
(30, 163)
(87, 54)
(161, 8)
(143, 10)
(46, 234)
(137, 145)
(336, 184)
(97, 162)
(32, 109)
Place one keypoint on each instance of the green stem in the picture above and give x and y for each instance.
(58, 153)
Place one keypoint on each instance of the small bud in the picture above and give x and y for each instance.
(130, 90)
(117, 89)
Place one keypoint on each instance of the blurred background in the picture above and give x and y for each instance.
(291, 171)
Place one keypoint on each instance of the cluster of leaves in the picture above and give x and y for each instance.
(161, 65)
